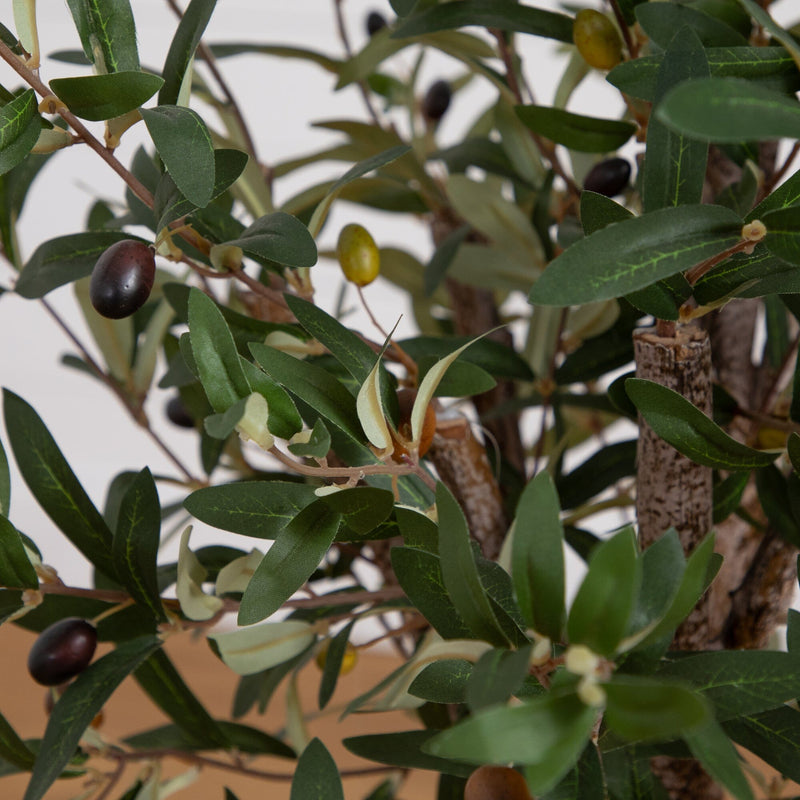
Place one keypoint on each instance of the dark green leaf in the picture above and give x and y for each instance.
(575, 131)
(661, 23)
(53, 483)
(278, 238)
(76, 708)
(333, 664)
(643, 708)
(316, 776)
(487, 14)
(635, 253)
(783, 239)
(597, 473)
(460, 573)
(20, 125)
(99, 97)
(318, 444)
(729, 110)
(690, 431)
(675, 166)
(64, 260)
(537, 557)
(629, 777)
(221, 426)
(136, 540)
(443, 681)
(284, 420)
(289, 563)
(363, 509)
(497, 674)
(215, 354)
(605, 600)
(715, 751)
(773, 494)
(16, 570)
(184, 144)
(252, 508)
(793, 451)
(108, 33)
(228, 49)
(5, 483)
(12, 748)
(442, 258)
(181, 50)
(597, 211)
(728, 494)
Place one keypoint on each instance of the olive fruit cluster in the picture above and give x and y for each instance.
(608, 177)
(122, 279)
(436, 101)
(358, 254)
(496, 783)
(62, 651)
(597, 39)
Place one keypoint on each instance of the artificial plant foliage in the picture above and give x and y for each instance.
(422, 488)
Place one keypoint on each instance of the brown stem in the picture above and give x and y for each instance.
(633, 50)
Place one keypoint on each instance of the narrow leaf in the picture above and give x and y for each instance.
(12, 748)
(19, 129)
(333, 664)
(5, 483)
(99, 97)
(715, 751)
(16, 570)
(108, 33)
(316, 776)
(763, 18)
(575, 131)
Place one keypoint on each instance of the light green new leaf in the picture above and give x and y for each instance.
(76, 708)
(136, 540)
(460, 573)
(184, 144)
(278, 238)
(20, 125)
(729, 110)
(54, 485)
(108, 33)
(99, 97)
(636, 252)
(575, 131)
(215, 354)
(537, 557)
(715, 751)
(690, 431)
(316, 776)
(602, 608)
(289, 563)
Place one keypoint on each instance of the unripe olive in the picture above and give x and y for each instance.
(405, 402)
(496, 783)
(358, 254)
(375, 22)
(178, 414)
(608, 177)
(62, 651)
(597, 39)
(436, 101)
(348, 659)
(122, 279)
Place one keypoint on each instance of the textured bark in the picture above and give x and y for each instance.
(685, 778)
(462, 464)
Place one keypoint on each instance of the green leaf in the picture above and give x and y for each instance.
(793, 451)
(442, 258)
(252, 508)
(76, 708)
(782, 238)
(459, 572)
(101, 97)
(136, 540)
(487, 14)
(16, 570)
(12, 748)
(674, 166)
(661, 23)
(738, 682)
(773, 494)
(54, 485)
(228, 49)
(597, 211)
(497, 674)
(318, 444)
(597, 473)
(575, 131)
(289, 563)
(537, 557)
(443, 681)
(221, 426)
(363, 509)
(278, 238)
(314, 386)
(715, 751)
(316, 776)
(182, 48)
(108, 33)
(158, 677)
(728, 495)
(605, 600)
(20, 125)
(586, 781)
(690, 431)
(215, 354)
(642, 708)
(184, 144)
(333, 664)
(5, 483)
(729, 110)
(763, 18)
(635, 253)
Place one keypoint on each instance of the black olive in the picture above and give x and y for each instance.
(178, 414)
(122, 279)
(608, 177)
(62, 650)
(375, 22)
(436, 100)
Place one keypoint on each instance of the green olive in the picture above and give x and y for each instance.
(597, 39)
(358, 254)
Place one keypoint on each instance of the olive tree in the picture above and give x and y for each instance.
(461, 462)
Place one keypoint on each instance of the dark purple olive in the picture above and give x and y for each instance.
(608, 177)
(436, 100)
(178, 414)
(62, 650)
(122, 279)
(375, 22)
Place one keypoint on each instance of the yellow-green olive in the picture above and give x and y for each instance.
(358, 254)
(597, 39)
